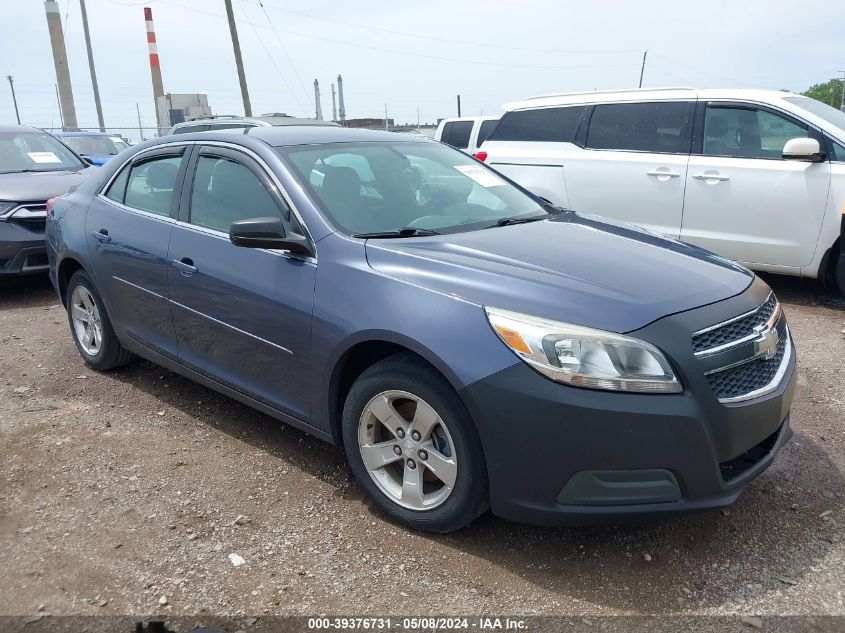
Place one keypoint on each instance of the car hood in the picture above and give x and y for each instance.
(576, 269)
(39, 185)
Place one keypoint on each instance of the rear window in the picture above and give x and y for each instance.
(644, 127)
(484, 131)
(539, 124)
(457, 134)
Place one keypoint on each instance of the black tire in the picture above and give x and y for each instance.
(469, 495)
(111, 353)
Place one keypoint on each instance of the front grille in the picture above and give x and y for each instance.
(748, 377)
(36, 225)
(735, 330)
(743, 463)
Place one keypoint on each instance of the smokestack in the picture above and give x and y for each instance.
(341, 108)
(334, 105)
(57, 41)
(155, 67)
(319, 112)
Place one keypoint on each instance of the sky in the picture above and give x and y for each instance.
(410, 56)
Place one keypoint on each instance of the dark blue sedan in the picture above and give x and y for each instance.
(467, 343)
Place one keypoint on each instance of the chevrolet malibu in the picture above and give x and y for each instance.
(469, 345)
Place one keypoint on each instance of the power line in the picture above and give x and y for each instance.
(284, 48)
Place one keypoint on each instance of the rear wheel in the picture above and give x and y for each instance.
(412, 446)
(90, 326)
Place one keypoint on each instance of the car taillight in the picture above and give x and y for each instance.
(482, 156)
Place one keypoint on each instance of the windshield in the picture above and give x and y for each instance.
(95, 144)
(34, 151)
(387, 187)
(826, 112)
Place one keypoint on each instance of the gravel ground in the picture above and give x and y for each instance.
(137, 491)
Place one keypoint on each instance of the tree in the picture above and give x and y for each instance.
(830, 92)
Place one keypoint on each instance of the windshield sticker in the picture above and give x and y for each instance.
(116, 139)
(44, 157)
(483, 177)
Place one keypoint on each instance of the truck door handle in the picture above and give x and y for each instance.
(102, 236)
(184, 266)
(711, 176)
(659, 173)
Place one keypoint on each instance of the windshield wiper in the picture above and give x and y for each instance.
(519, 220)
(408, 231)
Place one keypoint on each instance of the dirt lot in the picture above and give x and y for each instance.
(126, 493)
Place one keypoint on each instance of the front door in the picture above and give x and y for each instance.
(242, 315)
(634, 164)
(743, 200)
(128, 232)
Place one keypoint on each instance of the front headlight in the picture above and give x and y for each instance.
(5, 207)
(585, 357)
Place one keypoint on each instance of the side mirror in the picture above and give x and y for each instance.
(805, 149)
(267, 233)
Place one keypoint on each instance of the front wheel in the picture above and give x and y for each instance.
(412, 446)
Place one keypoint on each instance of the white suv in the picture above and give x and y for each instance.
(756, 176)
(467, 133)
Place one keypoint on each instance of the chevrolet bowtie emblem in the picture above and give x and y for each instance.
(766, 343)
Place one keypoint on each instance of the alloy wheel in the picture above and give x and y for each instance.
(407, 450)
(85, 316)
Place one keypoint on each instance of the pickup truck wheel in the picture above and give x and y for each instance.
(412, 446)
(90, 326)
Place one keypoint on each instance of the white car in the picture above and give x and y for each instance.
(756, 176)
(466, 133)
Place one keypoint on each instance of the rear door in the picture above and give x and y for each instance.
(128, 231)
(242, 315)
(743, 200)
(633, 164)
(457, 134)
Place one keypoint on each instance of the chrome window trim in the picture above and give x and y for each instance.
(776, 380)
(176, 222)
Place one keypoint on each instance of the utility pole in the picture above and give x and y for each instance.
(59, 101)
(842, 101)
(386, 128)
(319, 109)
(91, 66)
(418, 119)
(57, 42)
(642, 69)
(341, 106)
(238, 61)
(459, 105)
(140, 127)
(14, 98)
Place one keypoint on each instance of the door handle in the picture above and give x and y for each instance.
(659, 173)
(184, 266)
(706, 176)
(102, 236)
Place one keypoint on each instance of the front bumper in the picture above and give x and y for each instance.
(560, 455)
(21, 251)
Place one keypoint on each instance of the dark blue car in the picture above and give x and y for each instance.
(468, 344)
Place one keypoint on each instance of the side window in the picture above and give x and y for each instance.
(459, 134)
(225, 191)
(484, 131)
(118, 186)
(539, 124)
(444, 135)
(835, 151)
(151, 183)
(660, 127)
(747, 132)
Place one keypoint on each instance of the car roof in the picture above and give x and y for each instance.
(308, 135)
(645, 94)
(486, 117)
(97, 133)
(20, 128)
